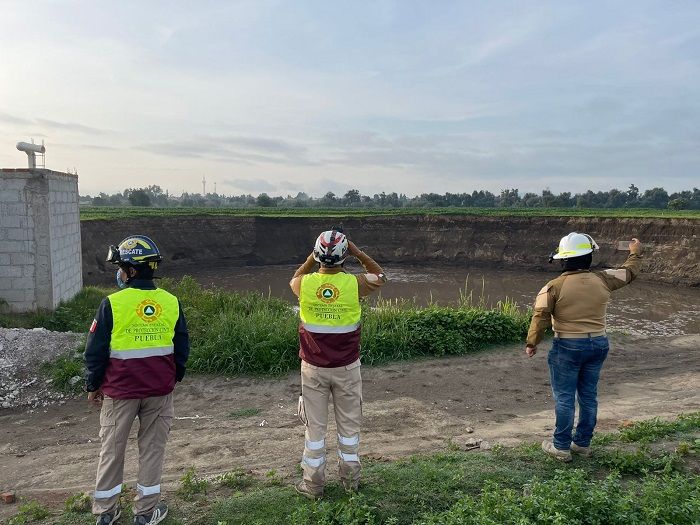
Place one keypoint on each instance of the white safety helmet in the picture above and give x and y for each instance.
(331, 248)
(575, 245)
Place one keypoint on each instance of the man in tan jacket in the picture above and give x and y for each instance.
(329, 348)
(574, 305)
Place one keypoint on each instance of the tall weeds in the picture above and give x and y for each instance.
(254, 333)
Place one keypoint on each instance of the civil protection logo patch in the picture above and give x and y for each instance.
(328, 293)
(149, 310)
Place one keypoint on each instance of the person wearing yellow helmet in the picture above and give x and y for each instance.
(574, 305)
(136, 351)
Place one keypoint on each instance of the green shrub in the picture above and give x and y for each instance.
(236, 479)
(638, 462)
(253, 333)
(29, 512)
(79, 502)
(353, 511)
(62, 372)
(572, 498)
(191, 485)
(653, 429)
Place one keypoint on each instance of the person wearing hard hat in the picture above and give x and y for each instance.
(329, 348)
(136, 351)
(574, 305)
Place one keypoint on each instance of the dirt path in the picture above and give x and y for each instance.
(409, 408)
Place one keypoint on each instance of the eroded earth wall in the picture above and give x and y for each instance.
(672, 245)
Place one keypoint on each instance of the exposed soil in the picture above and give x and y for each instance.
(672, 246)
(415, 407)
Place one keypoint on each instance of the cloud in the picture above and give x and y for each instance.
(72, 126)
(240, 149)
(7, 118)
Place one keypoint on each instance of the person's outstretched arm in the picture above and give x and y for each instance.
(617, 278)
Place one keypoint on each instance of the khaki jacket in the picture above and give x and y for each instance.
(576, 302)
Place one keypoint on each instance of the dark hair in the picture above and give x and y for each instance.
(582, 262)
(143, 271)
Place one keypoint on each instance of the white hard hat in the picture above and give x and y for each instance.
(331, 247)
(575, 245)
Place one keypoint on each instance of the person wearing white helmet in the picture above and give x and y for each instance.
(329, 348)
(574, 305)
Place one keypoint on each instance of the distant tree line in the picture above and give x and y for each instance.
(510, 198)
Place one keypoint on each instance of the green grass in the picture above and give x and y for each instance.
(29, 512)
(518, 486)
(63, 369)
(242, 413)
(252, 333)
(98, 212)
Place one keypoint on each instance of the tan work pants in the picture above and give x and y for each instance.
(317, 385)
(155, 418)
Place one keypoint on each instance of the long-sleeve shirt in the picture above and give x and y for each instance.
(368, 282)
(335, 349)
(97, 349)
(576, 302)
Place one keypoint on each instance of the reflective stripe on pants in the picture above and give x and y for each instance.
(344, 385)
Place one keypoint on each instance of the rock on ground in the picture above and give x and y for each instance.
(22, 352)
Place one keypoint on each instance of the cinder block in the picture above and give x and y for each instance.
(13, 296)
(5, 259)
(11, 221)
(7, 183)
(22, 259)
(22, 283)
(10, 195)
(10, 271)
(15, 246)
(16, 234)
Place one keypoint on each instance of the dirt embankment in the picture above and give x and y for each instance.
(672, 245)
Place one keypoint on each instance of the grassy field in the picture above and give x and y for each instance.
(98, 212)
(252, 333)
(645, 474)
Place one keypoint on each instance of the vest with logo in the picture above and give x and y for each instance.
(141, 358)
(329, 309)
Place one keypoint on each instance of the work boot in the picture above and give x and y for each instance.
(108, 518)
(350, 486)
(156, 515)
(581, 451)
(305, 491)
(560, 455)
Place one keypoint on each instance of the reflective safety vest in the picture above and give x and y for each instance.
(329, 303)
(144, 323)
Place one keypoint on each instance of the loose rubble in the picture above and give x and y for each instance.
(22, 352)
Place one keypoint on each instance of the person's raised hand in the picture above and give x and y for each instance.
(636, 246)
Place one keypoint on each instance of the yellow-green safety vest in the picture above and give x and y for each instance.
(329, 303)
(143, 323)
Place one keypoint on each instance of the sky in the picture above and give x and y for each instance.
(315, 96)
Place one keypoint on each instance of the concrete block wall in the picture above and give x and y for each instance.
(39, 227)
(64, 236)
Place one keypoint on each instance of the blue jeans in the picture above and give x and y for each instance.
(574, 370)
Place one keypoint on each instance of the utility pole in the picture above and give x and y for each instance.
(204, 186)
(215, 188)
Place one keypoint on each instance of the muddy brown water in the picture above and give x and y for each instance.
(643, 308)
